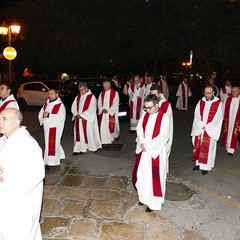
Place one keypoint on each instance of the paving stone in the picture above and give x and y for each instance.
(138, 214)
(53, 226)
(95, 182)
(107, 210)
(192, 235)
(81, 229)
(121, 231)
(51, 206)
(78, 194)
(72, 181)
(117, 183)
(129, 197)
(49, 191)
(51, 180)
(73, 208)
(106, 196)
(77, 171)
(158, 232)
(61, 169)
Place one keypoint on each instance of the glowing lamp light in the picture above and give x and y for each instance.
(15, 29)
(3, 30)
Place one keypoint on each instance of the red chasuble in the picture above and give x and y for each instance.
(5, 104)
(234, 139)
(156, 180)
(139, 102)
(111, 117)
(52, 131)
(200, 151)
(84, 121)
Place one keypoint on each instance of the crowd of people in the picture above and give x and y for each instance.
(95, 124)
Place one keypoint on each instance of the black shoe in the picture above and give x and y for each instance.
(148, 209)
(204, 172)
(140, 203)
(77, 153)
(231, 154)
(117, 138)
(196, 169)
(48, 167)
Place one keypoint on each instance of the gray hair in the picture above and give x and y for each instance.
(82, 84)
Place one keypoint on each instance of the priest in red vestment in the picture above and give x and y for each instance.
(149, 173)
(206, 130)
(231, 121)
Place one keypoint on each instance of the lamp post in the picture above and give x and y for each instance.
(9, 34)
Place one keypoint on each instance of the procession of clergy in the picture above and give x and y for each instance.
(22, 167)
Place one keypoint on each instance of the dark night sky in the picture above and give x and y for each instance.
(82, 36)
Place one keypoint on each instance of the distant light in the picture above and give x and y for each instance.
(122, 114)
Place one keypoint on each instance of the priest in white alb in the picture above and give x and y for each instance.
(183, 93)
(206, 130)
(136, 92)
(150, 82)
(108, 104)
(21, 180)
(52, 116)
(231, 127)
(225, 91)
(86, 132)
(149, 173)
(7, 100)
(165, 106)
(164, 88)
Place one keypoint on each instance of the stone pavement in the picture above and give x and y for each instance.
(78, 205)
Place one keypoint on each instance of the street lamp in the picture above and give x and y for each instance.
(9, 34)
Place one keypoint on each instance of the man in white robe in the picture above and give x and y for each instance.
(108, 105)
(21, 180)
(165, 106)
(231, 126)
(164, 88)
(225, 91)
(149, 84)
(149, 173)
(7, 99)
(136, 92)
(206, 130)
(86, 132)
(183, 93)
(52, 116)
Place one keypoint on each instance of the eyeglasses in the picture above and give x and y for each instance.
(148, 108)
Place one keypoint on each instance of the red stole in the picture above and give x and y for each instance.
(5, 104)
(184, 94)
(164, 106)
(234, 139)
(52, 131)
(224, 91)
(84, 121)
(156, 180)
(111, 124)
(139, 102)
(200, 151)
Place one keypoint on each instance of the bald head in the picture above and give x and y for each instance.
(10, 120)
(235, 91)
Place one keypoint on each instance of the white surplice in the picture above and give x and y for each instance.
(154, 147)
(53, 121)
(170, 135)
(22, 187)
(105, 135)
(90, 115)
(138, 92)
(231, 120)
(12, 104)
(181, 104)
(164, 88)
(212, 128)
(225, 92)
